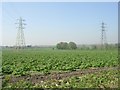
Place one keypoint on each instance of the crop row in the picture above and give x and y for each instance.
(104, 79)
(26, 61)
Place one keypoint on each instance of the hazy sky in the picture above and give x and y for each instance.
(49, 23)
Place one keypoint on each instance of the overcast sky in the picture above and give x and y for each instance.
(49, 23)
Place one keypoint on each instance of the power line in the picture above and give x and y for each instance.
(15, 10)
(10, 14)
(7, 14)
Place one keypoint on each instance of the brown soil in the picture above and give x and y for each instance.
(37, 78)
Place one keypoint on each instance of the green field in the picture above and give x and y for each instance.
(46, 61)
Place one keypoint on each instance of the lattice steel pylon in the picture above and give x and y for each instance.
(103, 36)
(20, 40)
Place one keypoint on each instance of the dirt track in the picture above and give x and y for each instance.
(38, 78)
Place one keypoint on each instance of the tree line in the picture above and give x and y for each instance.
(65, 45)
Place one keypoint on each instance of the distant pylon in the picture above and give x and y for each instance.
(20, 40)
(103, 36)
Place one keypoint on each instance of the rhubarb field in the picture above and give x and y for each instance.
(45, 62)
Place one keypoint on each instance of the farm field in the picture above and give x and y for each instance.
(43, 62)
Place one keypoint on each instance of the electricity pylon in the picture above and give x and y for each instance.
(20, 40)
(103, 36)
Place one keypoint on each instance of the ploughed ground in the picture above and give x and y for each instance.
(38, 78)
